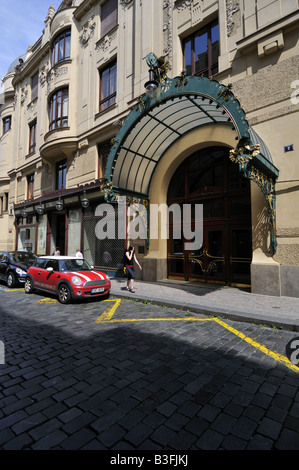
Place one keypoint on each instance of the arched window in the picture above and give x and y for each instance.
(61, 47)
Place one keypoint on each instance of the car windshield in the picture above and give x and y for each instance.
(75, 265)
(22, 256)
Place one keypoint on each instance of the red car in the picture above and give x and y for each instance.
(68, 277)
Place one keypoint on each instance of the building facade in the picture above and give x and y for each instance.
(86, 150)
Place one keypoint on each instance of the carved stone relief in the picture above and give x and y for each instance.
(87, 32)
(233, 15)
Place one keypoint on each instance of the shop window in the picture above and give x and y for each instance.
(109, 16)
(201, 51)
(32, 137)
(108, 86)
(59, 104)
(61, 47)
(61, 169)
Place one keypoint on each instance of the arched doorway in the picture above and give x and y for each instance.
(208, 177)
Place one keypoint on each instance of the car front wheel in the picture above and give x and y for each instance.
(11, 280)
(29, 288)
(64, 294)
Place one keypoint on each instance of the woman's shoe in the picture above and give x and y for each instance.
(132, 290)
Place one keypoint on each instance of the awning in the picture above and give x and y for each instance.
(181, 105)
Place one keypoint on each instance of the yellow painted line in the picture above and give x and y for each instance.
(278, 357)
(108, 314)
(14, 290)
(47, 300)
(130, 320)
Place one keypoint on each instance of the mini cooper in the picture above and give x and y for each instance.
(68, 277)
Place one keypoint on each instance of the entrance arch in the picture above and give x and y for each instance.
(186, 114)
(209, 178)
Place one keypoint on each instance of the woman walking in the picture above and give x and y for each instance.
(130, 258)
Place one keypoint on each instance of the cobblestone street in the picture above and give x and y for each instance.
(125, 375)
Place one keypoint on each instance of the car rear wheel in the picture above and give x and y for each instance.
(64, 294)
(29, 287)
(11, 280)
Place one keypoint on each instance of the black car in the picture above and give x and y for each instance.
(14, 266)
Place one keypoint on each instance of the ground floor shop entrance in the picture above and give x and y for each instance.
(209, 178)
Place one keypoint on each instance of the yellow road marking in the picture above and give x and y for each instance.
(108, 314)
(106, 317)
(47, 300)
(130, 320)
(14, 290)
(278, 357)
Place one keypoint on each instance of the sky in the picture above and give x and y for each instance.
(21, 25)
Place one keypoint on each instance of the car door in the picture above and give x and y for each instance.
(50, 275)
(3, 266)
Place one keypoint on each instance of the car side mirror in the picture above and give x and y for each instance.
(50, 269)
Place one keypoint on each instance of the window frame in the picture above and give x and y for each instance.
(64, 37)
(103, 153)
(61, 173)
(108, 101)
(207, 71)
(5, 120)
(54, 118)
(34, 86)
(32, 137)
(109, 16)
(30, 186)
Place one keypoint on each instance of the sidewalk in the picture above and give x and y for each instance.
(228, 302)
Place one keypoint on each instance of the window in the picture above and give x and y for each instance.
(201, 51)
(34, 86)
(109, 16)
(59, 104)
(61, 47)
(6, 124)
(108, 86)
(30, 186)
(32, 137)
(61, 168)
(103, 152)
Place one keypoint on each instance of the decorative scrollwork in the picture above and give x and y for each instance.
(243, 154)
(225, 93)
(182, 80)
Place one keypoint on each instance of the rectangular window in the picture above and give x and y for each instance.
(61, 168)
(32, 137)
(6, 124)
(109, 16)
(61, 47)
(34, 86)
(59, 103)
(201, 51)
(108, 86)
(30, 186)
(103, 152)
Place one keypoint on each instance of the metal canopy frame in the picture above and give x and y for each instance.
(179, 106)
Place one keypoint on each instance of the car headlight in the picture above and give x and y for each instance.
(20, 271)
(76, 281)
(107, 277)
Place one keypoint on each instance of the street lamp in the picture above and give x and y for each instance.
(151, 85)
(84, 201)
(59, 204)
(40, 209)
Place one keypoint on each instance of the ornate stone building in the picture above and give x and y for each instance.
(216, 128)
